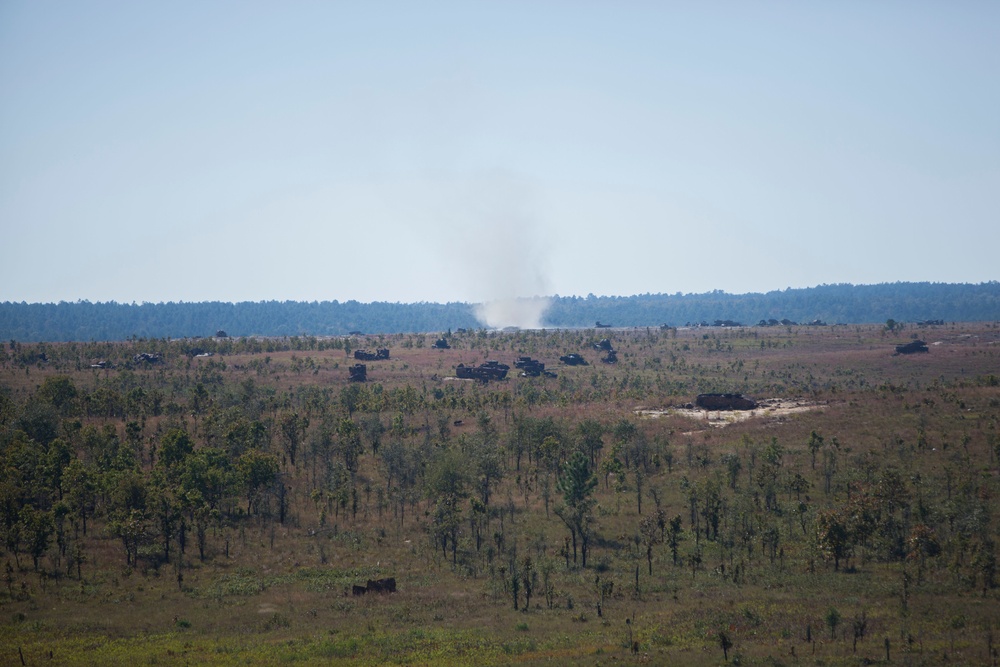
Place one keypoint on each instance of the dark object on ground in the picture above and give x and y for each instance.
(491, 370)
(532, 368)
(598, 325)
(355, 333)
(773, 323)
(603, 344)
(221, 334)
(365, 355)
(912, 348)
(521, 362)
(359, 373)
(441, 344)
(925, 323)
(387, 585)
(725, 402)
(573, 359)
(146, 357)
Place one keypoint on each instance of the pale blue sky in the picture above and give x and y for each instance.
(431, 151)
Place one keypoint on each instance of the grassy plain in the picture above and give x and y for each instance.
(900, 452)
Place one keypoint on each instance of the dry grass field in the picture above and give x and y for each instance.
(220, 509)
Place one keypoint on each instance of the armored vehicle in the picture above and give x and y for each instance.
(725, 402)
(603, 344)
(573, 359)
(490, 370)
(912, 348)
(365, 355)
(358, 373)
(532, 367)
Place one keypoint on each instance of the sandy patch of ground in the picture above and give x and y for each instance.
(267, 608)
(768, 408)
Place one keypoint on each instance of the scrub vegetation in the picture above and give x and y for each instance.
(217, 501)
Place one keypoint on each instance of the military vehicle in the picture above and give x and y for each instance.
(725, 402)
(603, 344)
(358, 373)
(441, 344)
(573, 359)
(365, 355)
(912, 348)
(532, 368)
(490, 370)
(598, 325)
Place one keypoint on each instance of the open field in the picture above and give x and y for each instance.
(220, 509)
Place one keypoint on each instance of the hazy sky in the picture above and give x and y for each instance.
(432, 151)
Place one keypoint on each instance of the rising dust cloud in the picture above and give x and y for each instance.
(524, 313)
(499, 249)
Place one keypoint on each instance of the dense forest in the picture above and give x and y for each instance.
(852, 304)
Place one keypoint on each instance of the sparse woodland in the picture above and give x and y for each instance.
(216, 501)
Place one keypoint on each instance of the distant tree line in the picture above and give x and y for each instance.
(843, 303)
(832, 304)
(84, 321)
